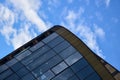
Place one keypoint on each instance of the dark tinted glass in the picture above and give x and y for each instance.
(74, 77)
(12, 62)
(47, 76)
(3, 68)
(28, 77)
(82, 74)
(47, 65)
(79, 65)
(65, 75)
(37, 46)
(12, 77)
(56, 41)
(93, 76)
(5, 74)
(73, 58)
(50, 37)
(41, 59)
(23, 71)
(61, 46)
(17, 66)
(23, 54)
(35, 55)
(67, 52)
(60, 67)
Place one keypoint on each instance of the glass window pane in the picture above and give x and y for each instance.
(67, 52)
(41, 59)
(38, 45)
(50, 37)
(47, 65)
(46, 76)
(23, 71)
(5, 74)
(73, 58)
(82, 74)
(35, 55)
(3, 68)
(11, 62)
(16, 66)
(61, 46)
(74, 77)
(60, 67)
(65, 75)
(13, 77)
(23, 54)
(56, 41)
(94, 76)
(79, 65)
(28, 77)
(55, 60)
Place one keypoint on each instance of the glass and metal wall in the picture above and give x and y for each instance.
(55, 55)
(52, 58)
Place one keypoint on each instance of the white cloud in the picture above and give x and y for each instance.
(6, 15)
(99, 31)
(88, 35)
(102, 2)
(114, 19)
(21, 37)
(29, 8)
(51, 2)
(7, 18)
(12, 35)
(26, 12)
(7, 31)
(71, 17)
(70, 1)
(107, 2)
(99, 16)
(17, 36)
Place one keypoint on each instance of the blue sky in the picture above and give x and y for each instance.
(96, 22)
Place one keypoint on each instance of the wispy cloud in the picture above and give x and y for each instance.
(29, 8)
(22, 36)
(107, 2)
(71, 17)
(7, 20)
(88, 35)
(99, 16)
(12, 35)
(99, 32)
(26, 12)
(70, 1)
(102, 2)
(115, 20)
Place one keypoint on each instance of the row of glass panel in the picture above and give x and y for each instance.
(81, 69)
(15, 68)
(41, 59)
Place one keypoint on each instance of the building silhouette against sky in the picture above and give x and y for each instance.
(56, 54)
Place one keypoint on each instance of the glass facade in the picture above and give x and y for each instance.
(53, 58)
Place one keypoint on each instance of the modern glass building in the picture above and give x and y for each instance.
(57, 54)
